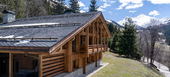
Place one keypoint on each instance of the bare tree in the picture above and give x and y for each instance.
(149, 39)
(154, 26)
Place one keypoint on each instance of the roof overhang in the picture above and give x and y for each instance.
(65, 40)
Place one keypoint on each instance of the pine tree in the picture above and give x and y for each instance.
(116, 41)
(128, 45)
(60, 7)
(74, 6)
(93, 6)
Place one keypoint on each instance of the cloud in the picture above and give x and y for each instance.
(134, 6)
(105, 5)
(81, 4)
(130, 4)
(121, 6)
(100, 9)
(160, 1)
(110, 12)
(108, 1)
(132, 11)
(86, 8)
(81, 11)
(111, 1)
(154, 13)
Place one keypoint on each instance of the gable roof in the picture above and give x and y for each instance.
(64, 27)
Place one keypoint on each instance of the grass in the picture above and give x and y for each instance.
(124, 67)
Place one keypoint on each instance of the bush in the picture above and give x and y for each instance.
(138, 55)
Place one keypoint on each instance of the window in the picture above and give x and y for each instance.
(90, 40)
(74, 45)
(74, 64)
(34, 64)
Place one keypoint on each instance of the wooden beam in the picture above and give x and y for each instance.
(89, 59)
(68, 57)
(104, 41)
(87, 41)
(107, 44)
(78, 43)
(93, 37)
(95, 59)
(22, 52)
(101, 36)
(97, 37)
(84, 65)
(10, 65)
(40, 66)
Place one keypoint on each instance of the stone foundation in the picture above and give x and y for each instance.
(79, 72)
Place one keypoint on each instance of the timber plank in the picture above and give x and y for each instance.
(53, 58)
(47, 73)
(51, 65)
(49, 62)
(54, 74)
(53, 68)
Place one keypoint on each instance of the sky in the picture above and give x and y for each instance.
(117, 10)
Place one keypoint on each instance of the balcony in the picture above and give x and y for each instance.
(102, 48)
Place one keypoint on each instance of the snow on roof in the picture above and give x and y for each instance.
(22, 42)
(10, 36)
(24, 25)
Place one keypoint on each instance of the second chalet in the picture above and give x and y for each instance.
(67, 45)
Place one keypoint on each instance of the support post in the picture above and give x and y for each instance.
(40, 65)
(104, 41)
(87, 41)
(84, 65)
(97, 37)
(95, 59)
(10, 65)
(68, 57)
(93, 38)
(101, 37)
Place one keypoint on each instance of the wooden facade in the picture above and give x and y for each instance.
(84, 46)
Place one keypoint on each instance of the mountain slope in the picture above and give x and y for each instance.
(114, 23)
(141, 20)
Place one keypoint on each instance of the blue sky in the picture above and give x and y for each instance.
(117, 10)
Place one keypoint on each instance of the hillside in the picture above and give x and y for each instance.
(166, 30)
(123, 67)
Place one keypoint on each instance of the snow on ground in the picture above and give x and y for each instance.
(162, 68)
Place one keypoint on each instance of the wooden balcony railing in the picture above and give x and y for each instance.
(102, 47)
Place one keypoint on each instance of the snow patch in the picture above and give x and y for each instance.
(19, 37)
(109, 21)
(22, 42)
(34, 24)
(10, 36)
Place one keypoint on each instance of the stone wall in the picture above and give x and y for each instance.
(75, 73)
(79, 72)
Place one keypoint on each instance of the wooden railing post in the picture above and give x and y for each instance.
(10, 65)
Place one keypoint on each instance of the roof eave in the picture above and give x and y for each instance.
(58, 45)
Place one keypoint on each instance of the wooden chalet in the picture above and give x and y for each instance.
(46, 46)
